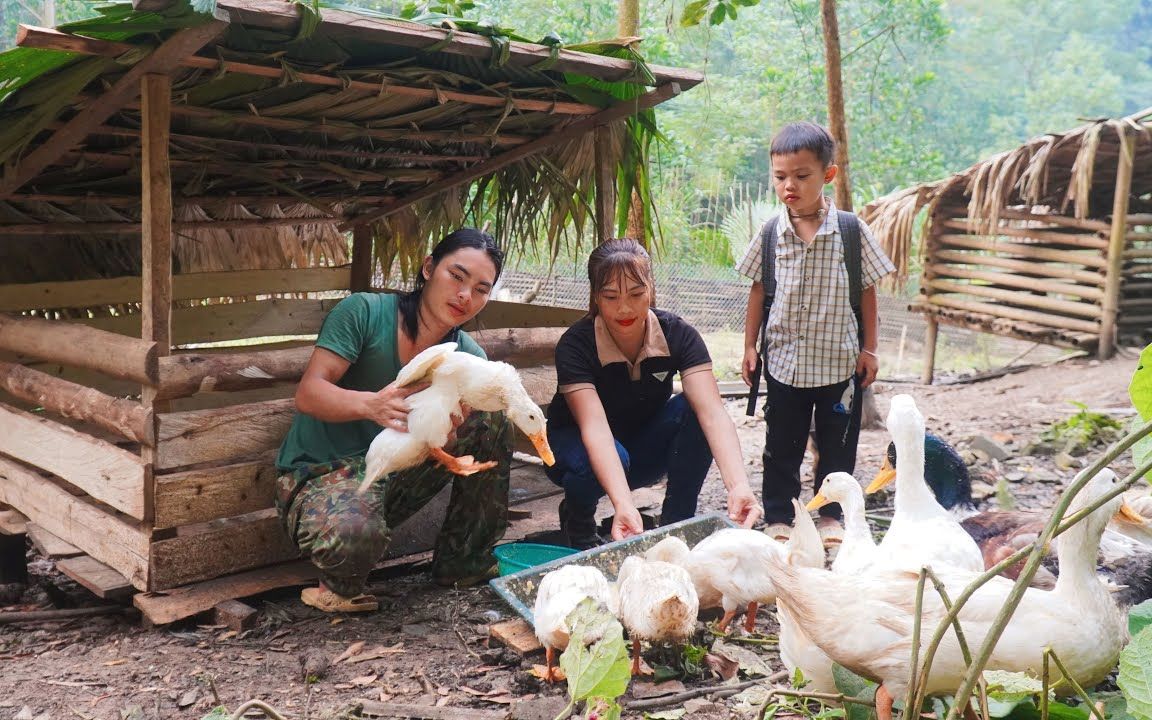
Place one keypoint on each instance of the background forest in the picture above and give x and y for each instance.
(930, 86)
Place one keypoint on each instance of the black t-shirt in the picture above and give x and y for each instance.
(631, 396)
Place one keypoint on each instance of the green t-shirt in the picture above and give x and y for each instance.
(362, 330)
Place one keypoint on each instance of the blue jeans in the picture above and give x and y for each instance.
(671, 444)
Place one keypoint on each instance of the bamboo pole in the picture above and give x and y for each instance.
(993, 310)
(1086, 277)
(68, 343)
(114, 228)
(126, 418)
(1019, 281)
(1029, 251)
(1116, 239)
(930, 333)
(1090, 242)
(605, 186)
(1088, 224)
(1018, 297)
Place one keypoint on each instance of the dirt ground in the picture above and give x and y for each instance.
(427, 645)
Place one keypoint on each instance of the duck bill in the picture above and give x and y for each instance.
(540, 442)
(883, 478)
(817, 502)
(1126, 513)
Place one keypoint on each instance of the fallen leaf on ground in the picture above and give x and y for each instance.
(349, 652)
(642, 690)
(724, 667)
(118, 661)
(363, 680)
(377, 652)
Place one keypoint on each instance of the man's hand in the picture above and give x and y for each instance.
(867, 365)
(742, 506)
(748, 365)
(389, 407)
(627, 522)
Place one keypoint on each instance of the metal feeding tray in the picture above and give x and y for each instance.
(519, 589)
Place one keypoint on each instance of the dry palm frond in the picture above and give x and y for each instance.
(1080, 183)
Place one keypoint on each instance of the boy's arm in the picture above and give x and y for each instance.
(868, 362)
(753, 319)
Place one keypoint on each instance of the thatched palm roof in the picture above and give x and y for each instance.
(1070, 173)
(280, 113)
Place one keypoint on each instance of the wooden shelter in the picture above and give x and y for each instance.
(1051, 241)
(175, 179)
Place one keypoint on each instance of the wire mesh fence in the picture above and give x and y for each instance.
(714, 300)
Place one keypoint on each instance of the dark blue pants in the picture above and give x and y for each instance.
(671, 444)
(789, 413)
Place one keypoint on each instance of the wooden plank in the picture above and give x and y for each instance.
(236, 615)
(13, 522)
(362, 265)
(201, 436)
(75, 344)
(286, 17)
(219, 548)
(103, 581)
(1017, 297)
(517, 635)
(1073, 257)
(204, 494)
(619, 111)
(232, 321)
(499, 314)
(49, 545)
(156, 221)
(126, 418)
(104, 471)
(162, 60)
(105, 536)
(169, 606)
(190, 286)
(190, 373)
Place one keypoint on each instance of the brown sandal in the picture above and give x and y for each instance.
(324, 599)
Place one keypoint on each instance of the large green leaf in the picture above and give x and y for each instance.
(1056, 711)
(601, 669)
(1141, 387)
(1139, 617)
(1007, 690)
(849, 684)
(1136, 675)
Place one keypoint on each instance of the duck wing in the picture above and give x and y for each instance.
(421, 366)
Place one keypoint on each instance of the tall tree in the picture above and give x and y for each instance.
(837, 124)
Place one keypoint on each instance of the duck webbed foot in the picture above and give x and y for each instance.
(463, 465)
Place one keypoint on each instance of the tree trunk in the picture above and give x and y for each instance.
(628, 25)
(836, 122)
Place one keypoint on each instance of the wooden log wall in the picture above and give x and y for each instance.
(220, 414)
(1035, 276)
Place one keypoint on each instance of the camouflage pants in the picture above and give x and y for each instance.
(346, 534)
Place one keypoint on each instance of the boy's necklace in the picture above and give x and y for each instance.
(820, 213)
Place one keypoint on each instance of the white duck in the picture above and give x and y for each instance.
(733, 562)
(858, 549)
(674, 550)
(872, 634)
(797, 649)
(658, 603)
(922, 532)
(560, 591)
(456, 378)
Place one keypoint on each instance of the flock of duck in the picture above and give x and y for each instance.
(860, 613)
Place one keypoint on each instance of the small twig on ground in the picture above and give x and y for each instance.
(719, 690)
(464, 642)
(259, 705)
(65, 614)
(211, 682)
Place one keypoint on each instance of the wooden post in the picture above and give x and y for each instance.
(156, 246)
(361, 259)
(1110, 307)
(605, 186)
(929, 351)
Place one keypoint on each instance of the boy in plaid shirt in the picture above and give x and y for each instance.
(819, 350)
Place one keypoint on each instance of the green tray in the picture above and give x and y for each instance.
(519, 589)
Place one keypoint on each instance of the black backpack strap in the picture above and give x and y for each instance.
(768, 236)
(854, 264)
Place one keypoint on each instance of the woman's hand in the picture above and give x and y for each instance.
(742, 506)
(627, 522)
(389, 407)
(748, 365)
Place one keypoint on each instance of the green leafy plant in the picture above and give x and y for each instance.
(1080, 432)
(596, 661)
(1140, 390)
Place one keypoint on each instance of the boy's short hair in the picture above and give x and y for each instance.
(797, 136)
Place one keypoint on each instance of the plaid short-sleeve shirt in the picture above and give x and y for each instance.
(812, 337)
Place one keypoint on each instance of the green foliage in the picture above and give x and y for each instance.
(1078, 433)
(598, 671)
(849, 684)
(1135, 678)
(218, 713)
(1139, 617)
(1140, 389)
(1007, 690)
